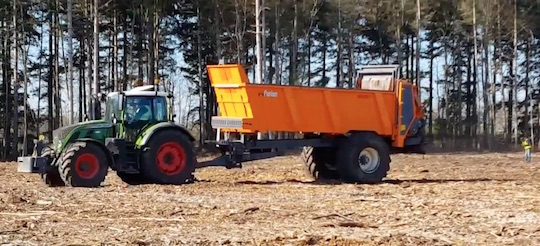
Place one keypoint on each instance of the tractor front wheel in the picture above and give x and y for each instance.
(83, 164)
(50, 174)
(169, 158)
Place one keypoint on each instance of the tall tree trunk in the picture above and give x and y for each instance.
(70, 60)
(57, 102)
(324, 78)
(200, 77)
(468, 98)
(276, 43)
(407, 54)
(485, 91)
(263, 42)
(515, 76)
(82, 69)
(38, 120)
(95, 104)
(431, 58)
(126, 52)
(156, 43)
(475, 76)
(25, 93)
(400, 40)
(115, 87)
(88, 14)
(496, 50)
(339, 75)
(418, 42)
(151, 39)
(15, 81)
(412, 52)
(7, 74)
(528, 98)
(50, 78)
(258, 41)
(294, 47)
(139, 34)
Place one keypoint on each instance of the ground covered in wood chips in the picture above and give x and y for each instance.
(434, 200)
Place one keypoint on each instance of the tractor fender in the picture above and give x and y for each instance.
(143, 139)
(110, 159)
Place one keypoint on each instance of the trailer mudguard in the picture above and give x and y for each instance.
(143, 139)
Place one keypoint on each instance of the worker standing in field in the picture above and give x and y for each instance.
(527, 147)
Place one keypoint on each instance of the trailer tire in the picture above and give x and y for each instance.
(169, 158)
(132, 179)
(321, 162)
(83, 164)
(363, 158)
(50, 175)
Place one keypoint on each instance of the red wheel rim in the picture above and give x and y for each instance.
(171, 158)
(87, 166)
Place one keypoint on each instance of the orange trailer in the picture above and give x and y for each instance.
(380, 114)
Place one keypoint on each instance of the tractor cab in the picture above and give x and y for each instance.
(132, 111)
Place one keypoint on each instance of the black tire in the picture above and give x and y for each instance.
(83, 164)
(50, 175)
(169, 158)
(370, 167)
(132, 179)
(320, 162)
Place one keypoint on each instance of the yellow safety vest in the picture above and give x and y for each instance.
(526, 145)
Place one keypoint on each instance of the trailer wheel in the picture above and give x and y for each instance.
(50, 174)
(83, 164)
(363, 158)
(132, 179)
(321, 162)
(169, 158)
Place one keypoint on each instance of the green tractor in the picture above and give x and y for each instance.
(136, 138)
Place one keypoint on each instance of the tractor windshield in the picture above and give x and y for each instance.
(141, 110)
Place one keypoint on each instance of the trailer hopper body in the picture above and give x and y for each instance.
(252, 108)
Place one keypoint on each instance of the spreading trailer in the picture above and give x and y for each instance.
(346, 134)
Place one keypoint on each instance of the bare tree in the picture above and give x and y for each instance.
(15, 77)
(96, 59)
(70, 60)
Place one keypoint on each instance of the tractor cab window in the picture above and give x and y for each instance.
(112, 107)
(160, 109)
(138, 110)
(141, 110)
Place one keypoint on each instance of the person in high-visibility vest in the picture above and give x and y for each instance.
(527, 147)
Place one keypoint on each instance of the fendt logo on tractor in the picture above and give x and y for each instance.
(138, 139)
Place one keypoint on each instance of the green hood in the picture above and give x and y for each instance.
(97, 129)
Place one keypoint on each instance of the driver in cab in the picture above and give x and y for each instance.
(138, 110)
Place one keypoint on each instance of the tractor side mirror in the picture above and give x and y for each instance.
(114, 119)
(173, 117)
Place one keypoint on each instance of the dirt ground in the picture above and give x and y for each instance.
(453, 199)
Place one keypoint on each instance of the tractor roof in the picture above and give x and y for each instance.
(146, 90)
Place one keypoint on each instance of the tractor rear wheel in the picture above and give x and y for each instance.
(363, 158)
(321, 162)
(169, 158)
(83, 164)
(50, 174)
